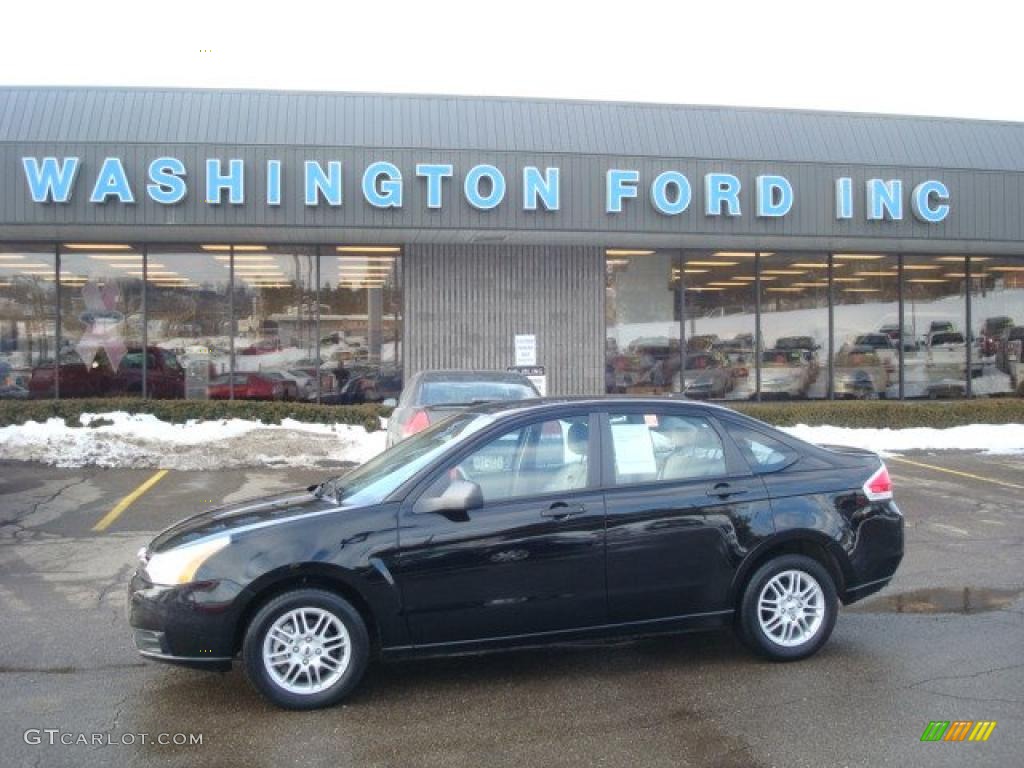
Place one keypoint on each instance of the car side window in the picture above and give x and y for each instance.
(763, 453)
(544, 457)
(656, 446)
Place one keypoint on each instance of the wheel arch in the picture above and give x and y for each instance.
(809, 543)
(306, 576)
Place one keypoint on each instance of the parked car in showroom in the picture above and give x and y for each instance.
(262, 347)
(434, 395)
(708, 375)
(948, 349)
(247, 386)
(523, 523)
(859, 374)
(165, 378)
(786, 373)
(1008, 356)
(371, 386)
(290, 387)
(991, 330)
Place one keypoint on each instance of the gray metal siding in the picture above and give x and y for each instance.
(986, 205)
(128, 116)
(464, 305)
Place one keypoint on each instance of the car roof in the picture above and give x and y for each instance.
(501, 408)
(470, 375)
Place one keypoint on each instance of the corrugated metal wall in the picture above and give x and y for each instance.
(164, 115)
(464, 305)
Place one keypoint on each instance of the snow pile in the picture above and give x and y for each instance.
(989, 438)
(143, 441)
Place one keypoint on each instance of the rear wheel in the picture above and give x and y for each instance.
(306, 649)
(788, 609)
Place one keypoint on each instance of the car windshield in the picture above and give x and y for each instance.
(781, 357)
(948, 338)
(375, 480)
(873, 340)
(699, 362)
(446, 392)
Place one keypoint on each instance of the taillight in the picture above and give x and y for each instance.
(879, 485)
(419, 421)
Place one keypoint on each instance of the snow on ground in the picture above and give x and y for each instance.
(144, 441)
(989, 438)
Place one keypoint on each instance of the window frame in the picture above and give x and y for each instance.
(735, 465)
(422, 484)
(794, 454)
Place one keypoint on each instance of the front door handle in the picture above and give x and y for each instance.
(560, 510)
(724, 490)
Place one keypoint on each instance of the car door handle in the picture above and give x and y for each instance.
(724, 490)
(560, 510)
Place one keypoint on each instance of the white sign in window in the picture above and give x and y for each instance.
(634, 450)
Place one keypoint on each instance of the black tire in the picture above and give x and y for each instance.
(263, 621)
(754, 635)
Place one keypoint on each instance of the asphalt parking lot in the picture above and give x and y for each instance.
(944, 642)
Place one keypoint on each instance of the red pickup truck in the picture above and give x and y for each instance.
(165, 378)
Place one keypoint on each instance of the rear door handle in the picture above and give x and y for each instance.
(560, 510)
(724, 490)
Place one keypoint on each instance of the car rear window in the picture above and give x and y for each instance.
(446, 392)
(948, 338)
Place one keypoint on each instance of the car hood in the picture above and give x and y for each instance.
(780, 374)
(225, 519)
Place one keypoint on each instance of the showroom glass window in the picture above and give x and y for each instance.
(997, 313)
(865, 361)
(794, 325)
(934, 324)
(187, 320)
(28, 321)
(361, 323)
(101, 320)
(275, 342)
(720, 308)
(643, 312)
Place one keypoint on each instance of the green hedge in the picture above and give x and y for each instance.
(888, 413)
(854, 413)
(180, 411)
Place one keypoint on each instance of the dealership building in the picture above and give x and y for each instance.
(229, 244)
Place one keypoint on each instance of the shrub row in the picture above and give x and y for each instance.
(878, 413)
(180, 411)
(888, 413)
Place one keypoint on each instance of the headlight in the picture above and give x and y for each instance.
(179, 565)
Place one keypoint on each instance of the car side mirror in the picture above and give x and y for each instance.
(458, 499)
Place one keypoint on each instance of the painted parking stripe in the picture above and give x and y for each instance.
(952, 528)
(127, 501)
(956, 472)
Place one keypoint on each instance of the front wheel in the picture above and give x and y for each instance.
(306, 649)
(789, 608)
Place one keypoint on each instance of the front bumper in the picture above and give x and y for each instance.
(191, 625)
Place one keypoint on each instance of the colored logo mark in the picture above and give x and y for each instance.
(958, 730)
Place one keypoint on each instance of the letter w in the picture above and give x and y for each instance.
(51, 181)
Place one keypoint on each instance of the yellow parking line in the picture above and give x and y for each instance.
(127, 501)
(955, 472)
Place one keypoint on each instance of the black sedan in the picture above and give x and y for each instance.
(524, 523)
